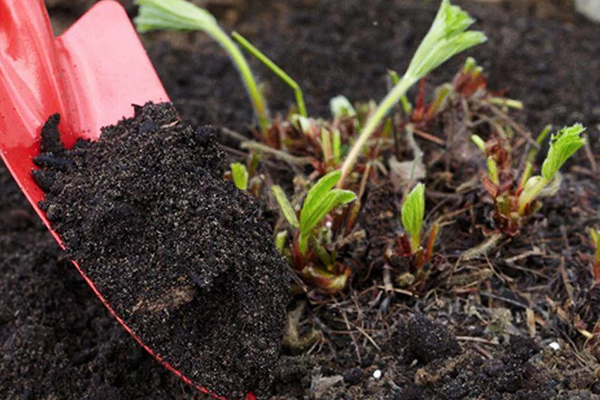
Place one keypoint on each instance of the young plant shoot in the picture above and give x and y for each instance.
(239, 173)
(514, 203)
(321, 199)
(260, 56)
(410, 246)
(562, 146)
(181, 15)
(413, 212)
(447, 37)
(312, 252)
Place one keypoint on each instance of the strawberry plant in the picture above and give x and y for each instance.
(325, 141)
(312, 248)
(447, 37)
(180, 15)
(409, 246)
(517, 198)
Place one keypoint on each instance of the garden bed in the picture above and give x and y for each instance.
(502, 312)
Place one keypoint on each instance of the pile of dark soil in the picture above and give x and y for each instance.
(178, 253)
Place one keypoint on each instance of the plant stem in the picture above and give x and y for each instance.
(510, 103)
(276, 70)
(282, 155)
(373, 123)
(258, 101)
(529, 194)
(415, 242)
(533, 154)
(433, 233)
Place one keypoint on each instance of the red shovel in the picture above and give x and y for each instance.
(91, 75)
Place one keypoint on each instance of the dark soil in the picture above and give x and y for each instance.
(178, 253)
(58, 341)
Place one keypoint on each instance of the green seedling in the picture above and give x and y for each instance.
(410, 246)
(413, 212)
(470, 80)
(181, 15)
(312, 250)
(284, 204)
(514, 203)
(239, 173)
(447, 37)
(562, 146)
(322, 198)
(276, 70)
(493, 173)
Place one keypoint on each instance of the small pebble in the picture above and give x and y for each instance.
(554, 346)
(377, 374)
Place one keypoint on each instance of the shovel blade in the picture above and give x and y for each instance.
(91, 75)
(107, 69)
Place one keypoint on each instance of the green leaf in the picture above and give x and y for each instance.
(446, 38)
(413, 213)
(330, 201)
(319, 189)
(321, 200)
(286, 207)
(239, 172)
(260, 56)
(172, 15)
(562, 146)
